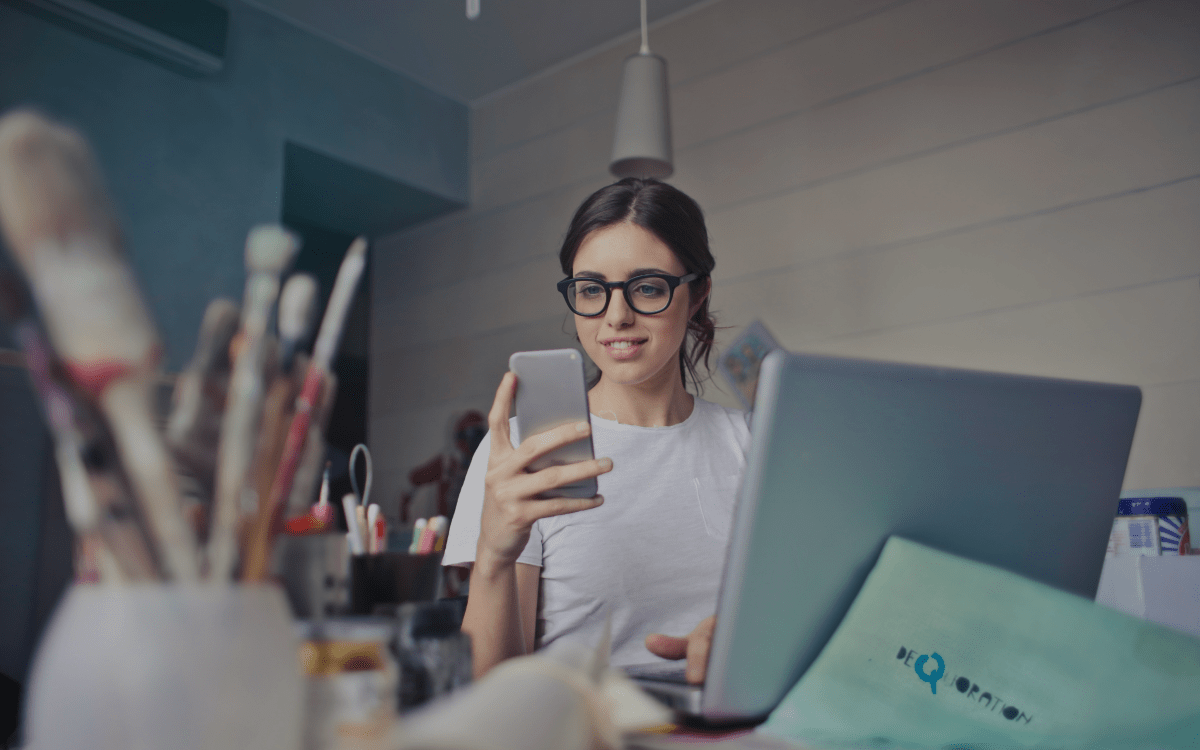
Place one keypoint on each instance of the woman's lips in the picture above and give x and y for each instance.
(623, 348)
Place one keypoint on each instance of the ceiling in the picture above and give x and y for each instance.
(432, 42)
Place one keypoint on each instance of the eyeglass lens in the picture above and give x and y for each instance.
(646, 295)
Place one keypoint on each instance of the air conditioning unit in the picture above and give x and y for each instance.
(186, 35)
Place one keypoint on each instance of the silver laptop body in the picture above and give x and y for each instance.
(1019, 472)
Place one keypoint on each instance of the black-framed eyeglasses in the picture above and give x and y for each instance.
(647, 294)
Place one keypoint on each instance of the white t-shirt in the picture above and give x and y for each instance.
(652, 553)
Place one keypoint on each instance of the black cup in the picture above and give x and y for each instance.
(381, 581)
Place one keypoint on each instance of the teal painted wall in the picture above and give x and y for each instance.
(192, 164)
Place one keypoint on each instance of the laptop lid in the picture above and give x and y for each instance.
(1019, 472)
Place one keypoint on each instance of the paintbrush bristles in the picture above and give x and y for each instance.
(62, 231)
(340, 299)
(269, 249)
(296, 306)
(50, 187)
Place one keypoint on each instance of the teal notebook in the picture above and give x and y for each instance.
(942, 652)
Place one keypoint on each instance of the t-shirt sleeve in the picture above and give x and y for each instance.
(464, 528)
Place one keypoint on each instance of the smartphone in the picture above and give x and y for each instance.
(552, 391)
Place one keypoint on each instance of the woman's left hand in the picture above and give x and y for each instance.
(694, 647)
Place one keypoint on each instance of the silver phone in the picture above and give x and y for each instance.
(552, 391)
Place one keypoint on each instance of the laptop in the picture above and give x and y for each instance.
(1019, 472)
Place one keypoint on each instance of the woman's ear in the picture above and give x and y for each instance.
(694, 307)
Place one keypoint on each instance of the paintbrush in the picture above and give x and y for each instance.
(82, 510)
(269, 250)
(277, 415)
(319, 517)
(194, 425)
(82, 513)
(104, 520)
(312, 457)
(323, 510)
(269, 519)
(297, 304)
(61, 229)
(328, 337)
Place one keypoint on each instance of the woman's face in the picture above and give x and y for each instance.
(631, 348)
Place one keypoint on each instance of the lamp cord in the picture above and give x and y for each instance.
(645, 37)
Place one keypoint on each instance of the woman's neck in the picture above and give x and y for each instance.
(649, 404)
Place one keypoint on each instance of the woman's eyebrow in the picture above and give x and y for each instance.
(636, 272)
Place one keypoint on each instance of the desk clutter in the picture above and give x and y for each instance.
(565, 697)
(362, 673)
(325, 572)
(175, 634)
(1152, 564)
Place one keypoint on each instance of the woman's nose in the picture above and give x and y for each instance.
(618, 314)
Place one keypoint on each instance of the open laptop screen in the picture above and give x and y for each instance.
(1019, 472)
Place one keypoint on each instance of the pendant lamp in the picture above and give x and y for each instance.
(642, 141)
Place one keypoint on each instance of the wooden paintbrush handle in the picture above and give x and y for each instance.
(257, 559)
(277, 415)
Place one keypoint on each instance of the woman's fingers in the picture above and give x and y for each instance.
(667, 646)
(498, 419)
(536, 446)
(694, 647)
(562, 505)
(510, 507)
(532, 447)
(699, 641)
(534, 484)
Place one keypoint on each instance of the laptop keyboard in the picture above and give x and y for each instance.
(668, 671)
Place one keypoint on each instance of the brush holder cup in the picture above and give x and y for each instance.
(381, 581)
(158, 667)
(314, 570)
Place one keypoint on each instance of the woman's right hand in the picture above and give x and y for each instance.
(510, 507)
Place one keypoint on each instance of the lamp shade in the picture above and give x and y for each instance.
(642, 141)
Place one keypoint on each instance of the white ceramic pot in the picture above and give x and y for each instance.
(159, 667)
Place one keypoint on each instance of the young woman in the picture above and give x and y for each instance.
(649, 549)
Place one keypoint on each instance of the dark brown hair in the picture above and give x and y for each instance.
(673, 217)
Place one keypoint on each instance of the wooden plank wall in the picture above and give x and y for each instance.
(1010, 185)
